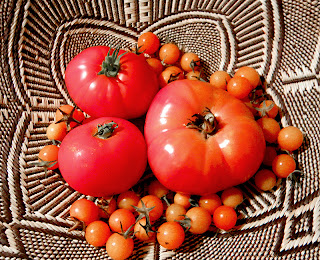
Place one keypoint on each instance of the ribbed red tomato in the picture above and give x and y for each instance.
(201, 139)
(115, 84)
(105, 156)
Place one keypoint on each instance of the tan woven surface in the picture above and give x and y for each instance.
(281, 39)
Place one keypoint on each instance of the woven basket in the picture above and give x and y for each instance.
(281, 39)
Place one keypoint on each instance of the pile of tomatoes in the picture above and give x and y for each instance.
(200, 139)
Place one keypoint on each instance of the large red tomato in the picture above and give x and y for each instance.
(111, 84)
(105, 156)
(201, 139)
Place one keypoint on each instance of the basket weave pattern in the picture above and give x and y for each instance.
(281, 39)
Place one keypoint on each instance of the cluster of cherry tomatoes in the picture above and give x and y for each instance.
(116, 222)
(160, 214)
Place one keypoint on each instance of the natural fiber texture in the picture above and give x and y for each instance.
(281, 39)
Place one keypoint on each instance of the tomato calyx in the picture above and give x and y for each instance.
(204, 122)
(264, 109)
(76, 224)
(105, 131)
(144, 212)
(174, 76)
(68, 118)
(111, 65)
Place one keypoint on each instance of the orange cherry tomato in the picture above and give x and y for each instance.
(190, 62)
(169, 53)
(250, 74)
(220, 79)
(148, 43)
(290, 138)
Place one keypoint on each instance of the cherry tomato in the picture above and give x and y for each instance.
(48, 157)
(269, 155)
(270, 128)
(265, 179)
(111, 85)
(268, 108)
(290, 138)
(175, 212)
(250, 74)
(190, 62)
(170, 74)
(157, 189)
(128, 199)
(225, 217)
(84, 210)
(232, 197)
(148, 43)
(239, 87)
(200, 220)
(193, 75)
(220, 79)
(155, 64)
(210, 202)
(121, 219)
(182, 199)
(169, 53)
(142, 232)
(70, 115)
(119, 247)
(283, 165)
(170, 235)
(199, 134)
(107, 207)
(149, 202)
(97, 233)
(104, 157)
(56, 131)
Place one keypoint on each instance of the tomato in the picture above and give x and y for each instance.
(265, 179)
(290, 138)
(148, 43)
(225, 217)
(155, 64)
(71, 116)
(169, 53)
(193, 75)
(270, 128)
(210, 202)
(85, 211)
(250, 74)
(170, 74)
(121, 220)
(105, 85)
(154, 206)
(268, 108)
(157, 189)
(170, 235)
(220, 79)
(175, 212)
(128, 199)
(200, 220)
(48, 157)
(107, 207)
(119, 247)
(283, 165)
(103, 157)
(97, 233)
(239, 87)
(142, 231)
(182, 199)
(56, 131)
(189, 61)
(269, 155)
(221, 148)
(232, 197)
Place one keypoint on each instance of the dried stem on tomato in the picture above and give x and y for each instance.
(105, 131)
(204, 122)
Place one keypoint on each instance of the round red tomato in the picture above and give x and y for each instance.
(103, 84)
(201, 139)
(101, 167)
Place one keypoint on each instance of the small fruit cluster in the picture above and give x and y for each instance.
(160, 214)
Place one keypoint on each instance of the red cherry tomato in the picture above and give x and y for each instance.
(119, 247)
(121, 220)
(225, 217)
(170, 235)
(103, 157)
(84, 210)
(48, 156)
(222, 146)
(148, 43)
(97, 233)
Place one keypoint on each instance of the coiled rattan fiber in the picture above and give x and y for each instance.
(281, 39)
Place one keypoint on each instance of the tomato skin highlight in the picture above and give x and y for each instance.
(181, 157)
(127, 95)
(103, 167)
